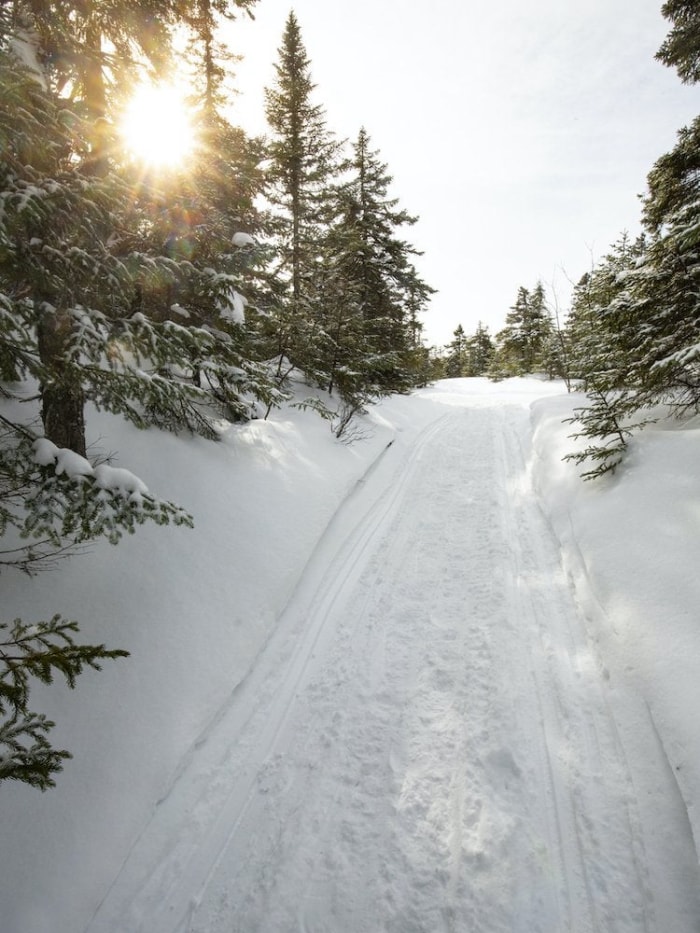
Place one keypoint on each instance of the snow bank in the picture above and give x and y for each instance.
(631, 543)
(194, 608)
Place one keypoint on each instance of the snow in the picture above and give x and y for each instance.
(120, 481)
(65, 461)
(232, 308)
(428, 681)
(24, 45)
(242, 239)
(114, 479)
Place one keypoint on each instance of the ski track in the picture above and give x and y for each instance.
(426, 746)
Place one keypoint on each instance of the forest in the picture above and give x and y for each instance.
(179, 298)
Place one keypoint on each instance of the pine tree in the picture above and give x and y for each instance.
(150, 324)
(634, 330)
(637, 346)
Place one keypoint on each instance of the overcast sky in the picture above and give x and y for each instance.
(520, 131)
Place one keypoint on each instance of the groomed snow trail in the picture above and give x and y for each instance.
(427, 746)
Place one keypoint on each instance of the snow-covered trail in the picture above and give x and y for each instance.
(428, 743)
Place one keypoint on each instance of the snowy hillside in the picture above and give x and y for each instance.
(221, 780)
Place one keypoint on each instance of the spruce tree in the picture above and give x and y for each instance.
(523, 340)
(149, 323)
(456, 356)
(303, 163)
(71, 273)
(600, 332)
(644, 347)
(664, 302)
(681, 48)
(480, 350)
(376, 289)
(37, 652)
(207, 219)
(602, 338)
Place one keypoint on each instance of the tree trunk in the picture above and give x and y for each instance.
(62, 396)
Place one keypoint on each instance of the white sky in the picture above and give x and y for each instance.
(521, 133)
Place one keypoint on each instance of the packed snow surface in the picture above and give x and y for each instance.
(425, 681)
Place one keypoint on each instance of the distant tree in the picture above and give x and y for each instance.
(456, 354)
(557, 350)
(480, 351)
(522, 342)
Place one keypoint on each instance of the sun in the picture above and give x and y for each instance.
(157, 127)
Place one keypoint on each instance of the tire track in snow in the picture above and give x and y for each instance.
(439, 778)
(159, 882)
(601, 846)
(425, 746)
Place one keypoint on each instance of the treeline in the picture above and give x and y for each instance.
(172, 300)
(531, 341)
(631, 339)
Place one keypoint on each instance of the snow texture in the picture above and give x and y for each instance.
(242, 239)
(426, 682)
(232, 308)
(114, 479)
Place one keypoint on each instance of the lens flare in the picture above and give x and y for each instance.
(157, 127)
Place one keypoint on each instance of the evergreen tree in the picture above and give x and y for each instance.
(635, 328)
(480, 349)
(681, 48)
(370, 283)
(72, 273)
(134, 295)
(602, 336)
(207, 218)
(456, 357)
(522, 342)
(664, 303)
(303, 163)
(40, 652)
(204, 19)
(600, 333)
